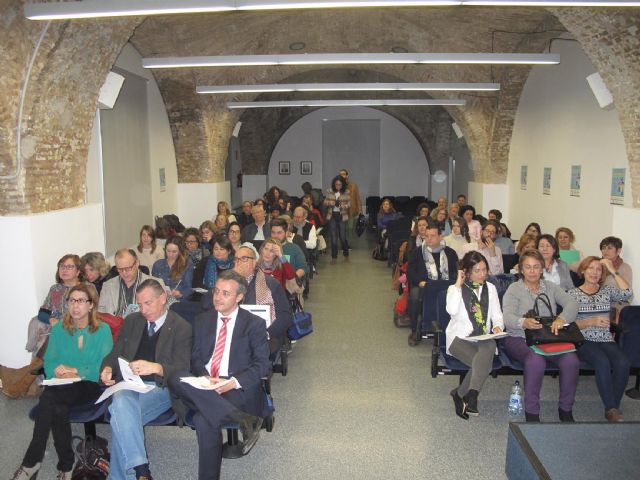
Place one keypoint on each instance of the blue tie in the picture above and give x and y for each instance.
(152, 329)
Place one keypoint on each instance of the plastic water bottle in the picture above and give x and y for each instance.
(515, 399)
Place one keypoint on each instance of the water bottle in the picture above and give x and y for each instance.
(515, 399)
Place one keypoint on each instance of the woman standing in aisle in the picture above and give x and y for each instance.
(337, 203)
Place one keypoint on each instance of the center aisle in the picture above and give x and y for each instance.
(358, 402)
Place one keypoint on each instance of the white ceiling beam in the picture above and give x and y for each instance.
(346, 103)
(348, 87)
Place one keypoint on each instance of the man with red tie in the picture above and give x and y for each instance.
(228, 343)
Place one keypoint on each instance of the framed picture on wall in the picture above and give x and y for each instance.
(306, 168)
(285, 168)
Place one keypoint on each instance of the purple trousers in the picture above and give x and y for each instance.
(534, 366)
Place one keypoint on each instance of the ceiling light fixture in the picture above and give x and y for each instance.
(348, 87)
(121, 8)
(354, 59)
(346, 103)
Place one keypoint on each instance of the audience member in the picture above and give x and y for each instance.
(533, 229)
(235, 235)
(474, 307)
(555, 270)
(518, 303)
(118, 296)
(600, 350)
(432, 261)
(76, 348)
(207, 231)
(456, 240)
(315, 193)
(68, 275)
(610, 248)
(229, 342)
(197, 255)
(422, 210)
(454, 210)
(274, 194)
(221, 222)
(338, 204)
(297, 258)
(356, 203)
(468, 213)
(495, 214)
(315, 217)
(245, 218)
(175, 270)
(265, 290)
(158, 342)
(305, 229)
(461, 200)
(260, 229)
(96, 269)
(221, 259)
(487, 247)
(565, 239)
(224, 209)
(285, 207)
(148, 251)
(439, 215)
(272, 262)
(526, 242)
(503, 241)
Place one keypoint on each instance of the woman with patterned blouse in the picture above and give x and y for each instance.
(599, 349)
(474, 307)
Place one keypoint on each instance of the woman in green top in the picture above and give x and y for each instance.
(76, 348)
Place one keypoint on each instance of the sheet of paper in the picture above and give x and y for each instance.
(54, 382)
(263, 311)
(127, 373)
(488, 336)
(200, 290)
(203, 383)
(144, 388)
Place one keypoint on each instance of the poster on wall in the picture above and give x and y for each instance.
(576, 172)
(617, 186)
(546, 181)
(163, 180)
(523, 177)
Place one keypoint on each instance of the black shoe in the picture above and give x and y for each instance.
(532, 417)
(566, 416)
(414, 339)
(459, 404)
(471, 401)
(250, 428)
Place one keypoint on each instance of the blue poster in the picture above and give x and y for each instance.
(523, 177)
(576, 171)
(617, 186)
(546, 181)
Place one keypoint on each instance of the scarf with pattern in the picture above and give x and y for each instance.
(430, 263)
(477, 308)
(211, 270)
(263, 294)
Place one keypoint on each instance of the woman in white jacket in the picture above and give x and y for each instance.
(474, 307)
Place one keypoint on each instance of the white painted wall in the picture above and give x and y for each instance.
(41, 240)
(198, 202)
(485, 197)
(403, 166)
(559, 124)
(255, 186)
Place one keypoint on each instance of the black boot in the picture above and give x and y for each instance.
(565, 416)
(532, 417)
(459, 404)
(471, 400)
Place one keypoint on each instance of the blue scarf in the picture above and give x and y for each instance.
(211, 270)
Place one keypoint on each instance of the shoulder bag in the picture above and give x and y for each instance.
(568, 334)
(302, 324)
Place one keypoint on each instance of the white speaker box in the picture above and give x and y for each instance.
(110, 90)
(457, 130)
(600, 90)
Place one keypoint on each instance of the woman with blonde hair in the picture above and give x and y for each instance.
(565, 238)
(96, 269)
(77, 346)
(176, 270)
(148, 251)
(207, 231)
(224, 209)
(273, 262)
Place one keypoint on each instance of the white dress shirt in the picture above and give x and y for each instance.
(224, 363)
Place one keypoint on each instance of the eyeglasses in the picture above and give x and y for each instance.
(191, 241)
(126, 269)
(66, 266)
(243, 259)
(78, 301)
(224, 293)
(533, 268)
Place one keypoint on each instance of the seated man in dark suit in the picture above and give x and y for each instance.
(229, 342)
(432, 261)
(156, 342)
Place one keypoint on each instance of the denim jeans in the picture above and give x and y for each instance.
(338, 230)
(612, 370)
(130, 411)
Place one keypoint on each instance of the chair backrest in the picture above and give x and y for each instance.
(508, 261)
(502, 282)
(430, 301)
(442, 316)
(629, 339)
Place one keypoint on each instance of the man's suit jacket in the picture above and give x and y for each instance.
(284, 318)
(111, 292)
(417, 271)
(248, 357)
(249, 232)
(173, 350)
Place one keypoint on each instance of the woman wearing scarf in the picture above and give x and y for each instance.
(273, 263)
(431, 261)
(474, 307)
(221, 258)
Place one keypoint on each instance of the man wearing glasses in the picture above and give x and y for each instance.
(229, 343)
(118, 294)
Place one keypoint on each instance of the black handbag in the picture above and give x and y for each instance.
(92, 455)
(568, 334)
(302, 324)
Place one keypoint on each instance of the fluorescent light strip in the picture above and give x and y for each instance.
(354, 59)
(345, 103)
(349, 87)
(120, 8)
